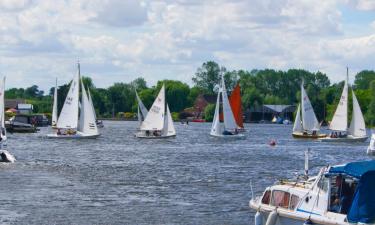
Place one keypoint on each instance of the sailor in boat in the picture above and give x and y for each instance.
(342, 199)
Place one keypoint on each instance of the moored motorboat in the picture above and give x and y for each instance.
(340, 194)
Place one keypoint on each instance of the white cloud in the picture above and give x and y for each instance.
(120, 40)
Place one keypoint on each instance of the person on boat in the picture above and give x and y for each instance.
(58, 131)
(147, 133)
(344, 196)
(314, 133)
(225, 132)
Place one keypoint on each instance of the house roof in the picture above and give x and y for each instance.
(210, 98)
(13, 103)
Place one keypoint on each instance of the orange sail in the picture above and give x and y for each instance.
(236, 105)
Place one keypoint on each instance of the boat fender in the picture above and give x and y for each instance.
(308, 222)
(258, 218)
(272, 217)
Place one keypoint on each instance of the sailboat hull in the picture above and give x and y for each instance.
(144, 136)
(79, 135)
(308, 136)
(348, 138)
(228, 136)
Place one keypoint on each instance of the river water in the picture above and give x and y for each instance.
(119, 179)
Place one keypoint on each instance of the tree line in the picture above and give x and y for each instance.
(258, 87)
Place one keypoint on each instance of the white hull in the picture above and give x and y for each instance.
(287, 217)
(348, 138)
(370, 151)
(144, 136)
(228, 136)
(7, 157)
(78, 135)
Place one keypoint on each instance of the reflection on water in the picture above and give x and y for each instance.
(118, 179)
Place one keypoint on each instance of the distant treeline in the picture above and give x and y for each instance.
(258, 87)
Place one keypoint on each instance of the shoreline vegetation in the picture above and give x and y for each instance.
(258, 87)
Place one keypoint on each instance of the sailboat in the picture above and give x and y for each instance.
(5, 156)
(141, 109)
(308, 126)
(338, 126)
(236, 106)
(72, 123)
(158, 122)
(371, 147)
(230, 128)
(99, 123)
(54, 109)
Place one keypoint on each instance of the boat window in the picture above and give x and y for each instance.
(323, 184)
(294, 200)
(280, 199)
(266, 197)
(21, 119)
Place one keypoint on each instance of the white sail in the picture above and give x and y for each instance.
(2, 111)
(229, 121)
(216, 128)
(155, 117)
(91, 102)
(87, 116)
(309, 121)
(69, 113)
(54, 109)
(357, 125)
(141, 106)
(340, 118)
(168, 124)
(297, 127)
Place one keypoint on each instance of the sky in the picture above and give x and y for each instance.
(121, 40)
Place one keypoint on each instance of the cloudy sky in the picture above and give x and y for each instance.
(120, 40)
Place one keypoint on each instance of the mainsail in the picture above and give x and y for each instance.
(297, 127)
(236, 105)
(229, 122)
(340, 118)
(69, 113)
(54, 109)
(357, 125)
(155, 117)
(309, 121)
(2, 112)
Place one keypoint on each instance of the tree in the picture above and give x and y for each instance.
(176, 94)
(33, 92)
(363, 79)
(139, 83)
(208, 75)
(370, 115)
(209, 112)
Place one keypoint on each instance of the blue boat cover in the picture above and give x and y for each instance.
(363, 206)
(354, 169)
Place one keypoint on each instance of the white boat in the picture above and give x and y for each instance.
(141, 109)
(339, 125)
(309, 126)
(5, 156)
(371, 147)
(72, 122)
(229, 128)
(339, 195)
(54, 109)
(158, 123)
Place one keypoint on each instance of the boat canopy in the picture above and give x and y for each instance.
(363, 206)
(354, 169)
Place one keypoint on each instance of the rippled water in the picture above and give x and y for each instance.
(118, 179)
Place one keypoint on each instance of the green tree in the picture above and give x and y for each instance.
(370, 115)
(208, 75)
(363, 79)
(209, 112)
(176, 94)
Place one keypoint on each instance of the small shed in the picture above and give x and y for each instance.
(24, 108)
